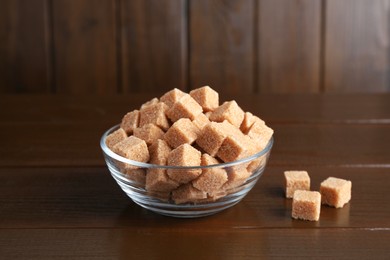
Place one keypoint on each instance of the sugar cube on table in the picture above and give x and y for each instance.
(335, 192)
(296, 180)
(306, 205)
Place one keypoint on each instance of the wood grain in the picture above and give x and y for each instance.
(316, 133)
(58, 144)
(289, 37)
(221, 45)
(274, 109)
(89, 197)
(58, 199)
(154, 45)
(24, 47)
(357, 41)
(131, 243)
(85, 47)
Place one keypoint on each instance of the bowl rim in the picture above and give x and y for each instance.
(107, 151)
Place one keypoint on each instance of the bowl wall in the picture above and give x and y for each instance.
(130, 175)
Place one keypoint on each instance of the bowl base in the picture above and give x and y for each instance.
(191, 212)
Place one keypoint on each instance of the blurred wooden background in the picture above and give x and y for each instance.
(126, 46)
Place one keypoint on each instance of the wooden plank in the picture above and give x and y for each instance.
(357, 46)
(85, 46)
(221, 45)
(66, 109)
(63, 130)
(274, 109)
(24, 47)
(154, 45)
(64, 144)
(328, 145)
(289, 46)
(89, 198)
(231, 244)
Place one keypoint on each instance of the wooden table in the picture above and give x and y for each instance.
(57, 198)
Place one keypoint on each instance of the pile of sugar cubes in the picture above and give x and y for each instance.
(306, 204)
(181, 129)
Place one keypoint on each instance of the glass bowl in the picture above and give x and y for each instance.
(130, 175)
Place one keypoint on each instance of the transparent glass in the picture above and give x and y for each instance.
(130, 176)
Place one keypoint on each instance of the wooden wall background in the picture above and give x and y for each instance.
(123, 46)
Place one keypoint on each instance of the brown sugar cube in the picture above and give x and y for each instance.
(160, 195)
(257, 163)
(216, 195)
(137, 176)
(296, 180)
(130, 121)
(201, 121)
(171, 97)
(115, 137)
(236, 145)
(261, 134)
(149, 133)
(335, 192)
(212, 197)
(186, 107)
(249, 120)
(253, 147)
(159, 152)
(158, 180)
(232, 149)
(211, 138)
(207, 97)
(236, 177)
(132, 148)
(154, 114)
(181, 132)
(229, 111)
(184, 155)
(306, 205)
(208, 114)
(231, 130)
(211, 179)
(187, 193)
(153, 101)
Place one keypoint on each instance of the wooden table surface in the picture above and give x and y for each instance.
(57, 198)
